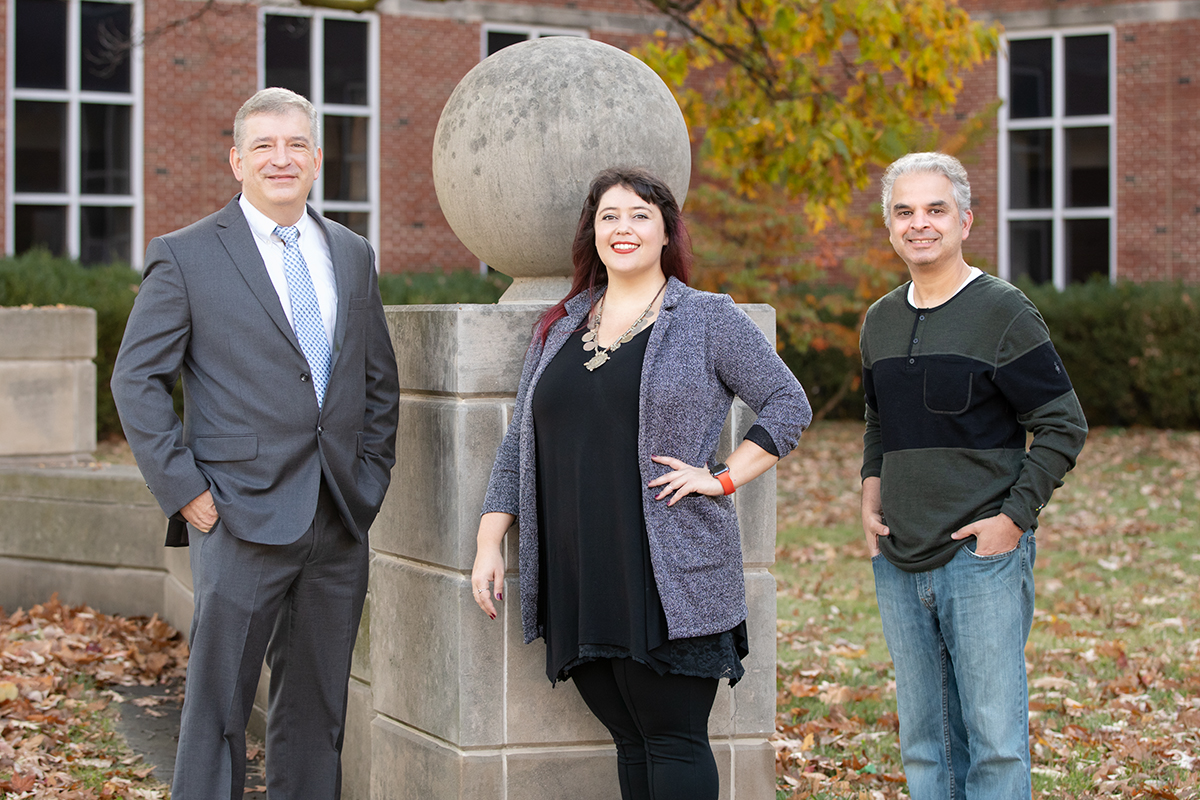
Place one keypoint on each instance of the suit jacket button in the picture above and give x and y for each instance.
(320, 430)
(304, 377)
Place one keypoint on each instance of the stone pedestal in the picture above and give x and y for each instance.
(460, 708)
(47, 384)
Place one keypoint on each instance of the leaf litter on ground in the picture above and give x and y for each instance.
(58, 667)
(1113, 659)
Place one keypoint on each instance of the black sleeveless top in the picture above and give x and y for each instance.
(597, 595)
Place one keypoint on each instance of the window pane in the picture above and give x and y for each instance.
(105, 38)
(40, 152)
(345, 164)
(1087, 248)
(1030, 78)
(498, 40)
(105, 235)
(1087, 166)
(1031, 176)
(104, 145)
(41, 44)
(1087, 74)
(357, 221)
(287, 53)
(40, 226)
(1030, 244)
(345, 62)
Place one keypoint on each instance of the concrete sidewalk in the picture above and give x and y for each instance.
(148, 720)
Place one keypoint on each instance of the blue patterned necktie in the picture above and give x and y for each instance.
(306, 311)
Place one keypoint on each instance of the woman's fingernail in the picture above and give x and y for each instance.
(499, 596)
(493, 616)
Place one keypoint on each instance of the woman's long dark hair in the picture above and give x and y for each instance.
(590, 273)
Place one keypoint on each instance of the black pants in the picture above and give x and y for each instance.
(659, 724)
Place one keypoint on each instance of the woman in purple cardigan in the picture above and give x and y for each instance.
(630, 557)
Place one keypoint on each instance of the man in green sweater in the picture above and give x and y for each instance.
(957, 367)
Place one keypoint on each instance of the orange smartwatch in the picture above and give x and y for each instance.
(721, 473)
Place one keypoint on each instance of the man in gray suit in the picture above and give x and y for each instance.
(272, 316)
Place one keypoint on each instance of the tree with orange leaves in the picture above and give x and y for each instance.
(797, 101)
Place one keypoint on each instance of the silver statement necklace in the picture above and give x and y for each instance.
(590, 342)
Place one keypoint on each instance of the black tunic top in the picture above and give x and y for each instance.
(597, 596)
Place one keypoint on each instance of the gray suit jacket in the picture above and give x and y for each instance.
(702, 351)
(252, 432)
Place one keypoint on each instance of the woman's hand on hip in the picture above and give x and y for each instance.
(684, 479)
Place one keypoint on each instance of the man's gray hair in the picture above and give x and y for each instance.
(937, 163)
(275, 101)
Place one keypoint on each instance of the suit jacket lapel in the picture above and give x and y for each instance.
(342, 256)
(234, 233)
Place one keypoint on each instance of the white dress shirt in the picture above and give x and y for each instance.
(315, 250)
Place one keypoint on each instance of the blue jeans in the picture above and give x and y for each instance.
(957, 637)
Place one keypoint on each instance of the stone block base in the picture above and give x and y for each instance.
(47, 384)
(113, 590)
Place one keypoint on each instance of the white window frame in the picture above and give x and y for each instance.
(530, 31)
(370, 111)
(1058, 123)
(73, 96)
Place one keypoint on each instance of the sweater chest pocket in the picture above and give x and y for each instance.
(947, 389)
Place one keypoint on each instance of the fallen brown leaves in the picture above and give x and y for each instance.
(55, 741)
(1113, 660)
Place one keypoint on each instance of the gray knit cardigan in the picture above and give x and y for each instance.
(702, 351)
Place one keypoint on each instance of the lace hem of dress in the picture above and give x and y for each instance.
(700, 657)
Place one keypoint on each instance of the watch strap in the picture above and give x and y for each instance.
(721, 473)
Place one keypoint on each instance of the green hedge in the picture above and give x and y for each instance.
(1132, 350)
(416, 288)
(39, 279)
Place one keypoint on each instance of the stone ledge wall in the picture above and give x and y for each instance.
(460, 708)
(444, 703)
(94, 535)
(47, 384)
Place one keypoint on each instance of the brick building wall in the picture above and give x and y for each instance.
(979, 90)
(1158, 151)
(414, 234)
(1157, 205)
(1157, 72)
(195, 75)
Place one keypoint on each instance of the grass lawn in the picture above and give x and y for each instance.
(1113, 659)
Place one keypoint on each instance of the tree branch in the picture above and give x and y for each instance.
(115, 48)
(678, 13)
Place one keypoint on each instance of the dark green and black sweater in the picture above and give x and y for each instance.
(950, 393)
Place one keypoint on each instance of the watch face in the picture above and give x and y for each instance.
(717, 469)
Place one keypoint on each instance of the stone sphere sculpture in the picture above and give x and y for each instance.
(524, 133)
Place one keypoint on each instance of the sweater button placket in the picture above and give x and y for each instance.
(918, 324)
